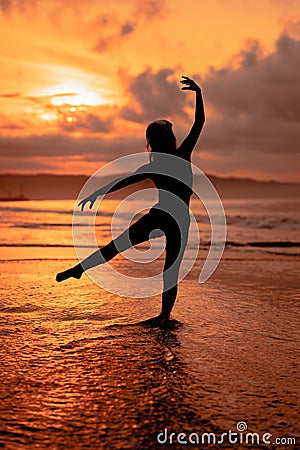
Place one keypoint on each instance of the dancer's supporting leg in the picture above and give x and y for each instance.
(176, 240)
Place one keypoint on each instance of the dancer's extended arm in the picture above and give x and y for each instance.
(139, 175)
(190, 141)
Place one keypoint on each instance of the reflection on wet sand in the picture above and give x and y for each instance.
(119, 389)
(81, 369)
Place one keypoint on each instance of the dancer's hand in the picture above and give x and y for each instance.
(191, 85)
(91, 198)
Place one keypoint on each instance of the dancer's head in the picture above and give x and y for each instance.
(160, 137)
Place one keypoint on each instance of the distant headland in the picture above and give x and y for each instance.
(44, 186)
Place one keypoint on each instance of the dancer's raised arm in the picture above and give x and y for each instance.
(190, 141)
(139, 175)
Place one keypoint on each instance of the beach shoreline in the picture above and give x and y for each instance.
(80, 368)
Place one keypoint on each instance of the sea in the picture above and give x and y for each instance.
(267, 225)
(83, 367)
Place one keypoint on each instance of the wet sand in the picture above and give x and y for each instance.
(80, 368)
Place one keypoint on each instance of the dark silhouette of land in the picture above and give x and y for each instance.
(51, 187)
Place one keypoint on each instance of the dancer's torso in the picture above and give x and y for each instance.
(174, 180)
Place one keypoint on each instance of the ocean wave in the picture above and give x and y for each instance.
(284, 223)
(35, 210)
(262, 244)
(255, 221)
(281, 244)
(28, 244)
(272, 220)
(264, 222)
(68, 212)
(39, 225)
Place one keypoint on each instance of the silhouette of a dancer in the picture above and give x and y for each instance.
(170, 216)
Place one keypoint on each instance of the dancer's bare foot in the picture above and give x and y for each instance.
(74, 272)
(162, 321)
(158, 321)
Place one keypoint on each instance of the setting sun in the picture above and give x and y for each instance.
(48, 116)
(75, 94)
(83, 97)
(70, 102)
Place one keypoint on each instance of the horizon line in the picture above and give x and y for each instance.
(225, 177)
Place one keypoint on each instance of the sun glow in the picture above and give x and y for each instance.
(63, 101)
(76, 98)
(87, 98)
(76, 93)
(48, 116)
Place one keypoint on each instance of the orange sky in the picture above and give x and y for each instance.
(80, 80)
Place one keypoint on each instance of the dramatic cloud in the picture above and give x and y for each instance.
(55, 112)
(262, 86)
(7, 124)
(150, 9)
(87, 122)
(154, 96)
(113, 29)
(80, 81)
(58, 145)
(11, 95)
(7, 5)
(256, 107)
